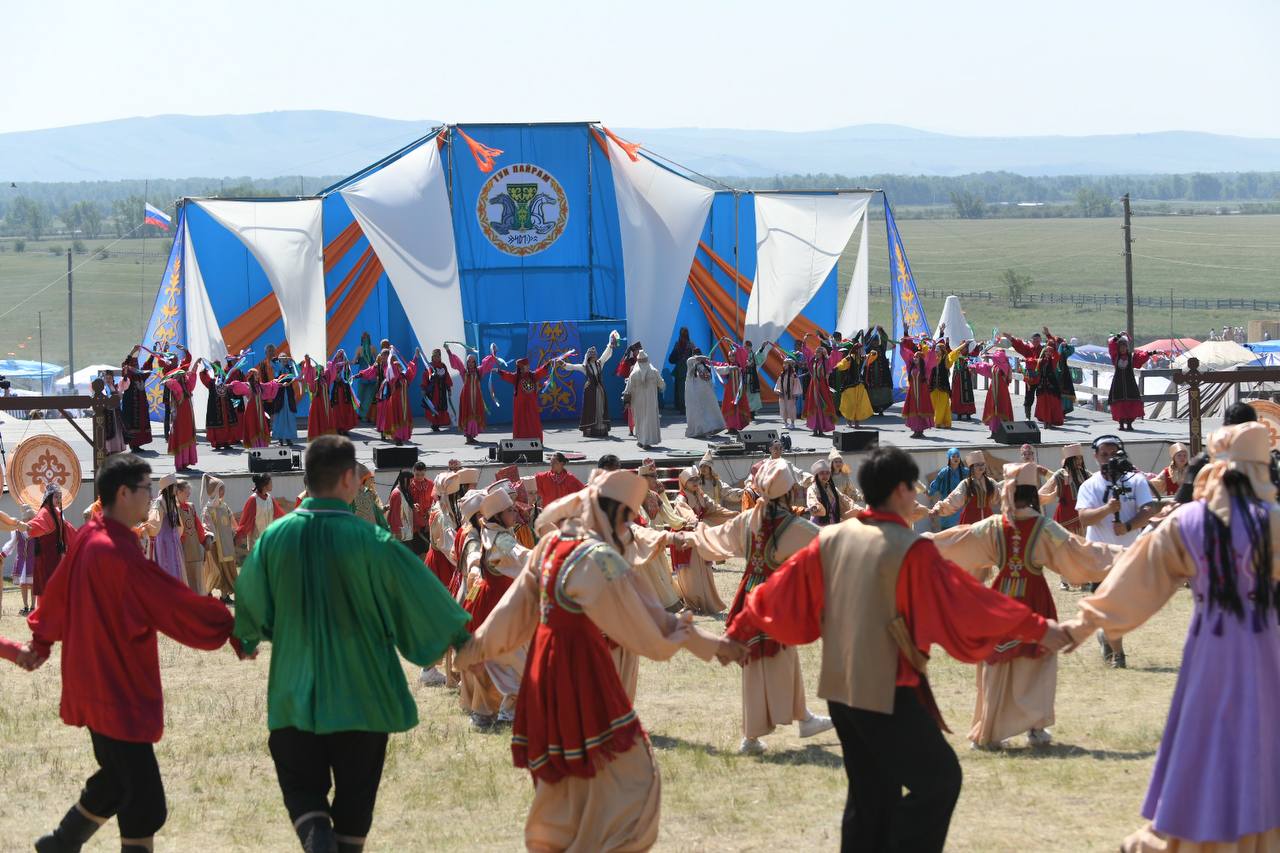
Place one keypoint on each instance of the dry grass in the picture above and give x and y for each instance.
(446, 788)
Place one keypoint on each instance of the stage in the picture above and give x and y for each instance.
(1147, 446)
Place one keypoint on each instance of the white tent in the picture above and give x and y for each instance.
(85, 375)
(958, 328)
(1216, 355)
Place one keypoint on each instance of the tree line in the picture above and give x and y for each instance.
(975, 195)
(96, 209)
(114, 208)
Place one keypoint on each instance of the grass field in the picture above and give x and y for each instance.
(1216, 256)
(446, 788)
(1202, 256)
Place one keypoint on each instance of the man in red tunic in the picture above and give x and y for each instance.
(879, 596)
(1030, 352)
(424, 492)
(527, 416)
(110, 664)
(556, 483)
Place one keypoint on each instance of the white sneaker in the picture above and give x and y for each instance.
(1039, 737)
(431, 677)
(751, 746)
(815, 725)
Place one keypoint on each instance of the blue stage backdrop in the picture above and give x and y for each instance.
(537, 243)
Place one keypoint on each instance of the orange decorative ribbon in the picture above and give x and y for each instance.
(483, 153)
(632, 148)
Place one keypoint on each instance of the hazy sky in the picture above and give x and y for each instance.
(974, 68)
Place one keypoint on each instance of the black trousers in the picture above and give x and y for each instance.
(127, 786)
(1029, 400)
(419, 544)
(884, 753)
(307, 765)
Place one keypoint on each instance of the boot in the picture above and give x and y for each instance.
(316, 834)
(73, 832)
(347, 844)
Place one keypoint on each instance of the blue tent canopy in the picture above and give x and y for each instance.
(20, 369)
(568, 286)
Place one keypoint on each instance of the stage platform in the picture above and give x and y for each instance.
(1147, 446)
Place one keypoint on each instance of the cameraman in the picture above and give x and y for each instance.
(1115, 504)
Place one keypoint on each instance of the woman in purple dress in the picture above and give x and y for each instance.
(23, 549)
(164, 526)
(1216, 783)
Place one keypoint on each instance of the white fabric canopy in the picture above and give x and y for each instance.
(1216, 355)
(856, 313)
(204, 335)
(286, 239)
(84, 376)
(403, 208)
(799, 238)
(660, 218)
(958, 328)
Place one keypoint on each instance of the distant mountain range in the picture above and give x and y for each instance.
(267, 145)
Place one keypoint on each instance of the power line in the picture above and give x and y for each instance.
(1215, 245)
(1146, 227)
(63, 276)
(1193, 264)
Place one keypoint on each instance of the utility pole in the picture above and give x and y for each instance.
(1128, 271)
(71, 352)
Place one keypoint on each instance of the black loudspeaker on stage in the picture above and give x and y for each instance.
(852, 440)
(1018, 432)
(395, 456)
(265, 460)
(517, 450)
(758, 440)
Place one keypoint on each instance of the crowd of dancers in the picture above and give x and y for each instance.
(536, 610)
(535, 596)
(825, 380)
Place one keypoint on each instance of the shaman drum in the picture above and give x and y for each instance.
(38, 461)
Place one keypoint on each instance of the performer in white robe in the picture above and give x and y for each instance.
(702, 409)
(1018, 682)
(644, 389)
(765, 536)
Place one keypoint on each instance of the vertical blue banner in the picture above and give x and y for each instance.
(908, 312)
(168, 323)
(547, 340)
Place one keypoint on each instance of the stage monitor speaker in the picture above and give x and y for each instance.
(517, 450)
(853, 440)
(395, 456)
(1018, 432)
(265, 460)
(758, 440)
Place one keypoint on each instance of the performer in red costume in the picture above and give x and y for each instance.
(879, 596)
(527, 419)
(110, 664)
(557, 482)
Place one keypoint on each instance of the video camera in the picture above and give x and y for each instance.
(5, 384)
(1116, 471)
(1117, 468)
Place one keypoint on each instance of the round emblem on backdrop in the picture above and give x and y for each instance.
(522, 209)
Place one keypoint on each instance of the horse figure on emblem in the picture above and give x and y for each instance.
(540, 223)
(507, 222)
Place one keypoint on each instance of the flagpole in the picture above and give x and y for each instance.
(142, 267)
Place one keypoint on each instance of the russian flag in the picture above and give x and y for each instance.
(157, 217)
